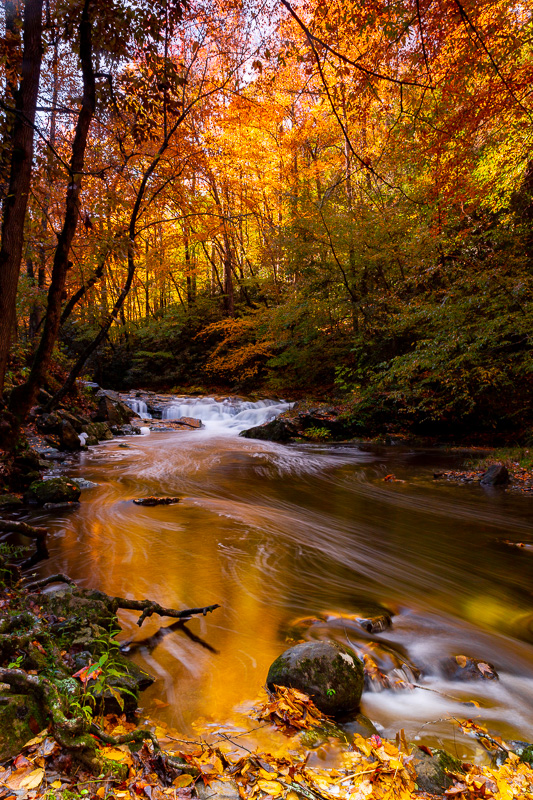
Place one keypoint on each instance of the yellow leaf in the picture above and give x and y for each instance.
(272, 788)
(33, 780)
(57, 785)
(115, 754)
(182, 780)
(38, 739)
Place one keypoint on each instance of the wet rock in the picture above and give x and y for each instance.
(329, 673)
(77, 422)
(156, 501)
(433, 771)
(67, 505)
(56, 490)
(361, 725)
(524, 750)
(21, 719)
(83, 483)
(190, 422)
(465, 668)
(326, 418)
(68, 437)
(77, 609)
(279, 430)
(125, 430)
(49, 423)
(218, 790)
(9, 502)
(496, 475)
(28, 460)
(113, 411)
(97, 432)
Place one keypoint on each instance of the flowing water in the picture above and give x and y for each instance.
(294, 542)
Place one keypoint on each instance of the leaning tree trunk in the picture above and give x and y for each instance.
(16, 201)
(23, 396)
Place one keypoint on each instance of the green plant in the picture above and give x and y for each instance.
(97, 677)
(317, 433)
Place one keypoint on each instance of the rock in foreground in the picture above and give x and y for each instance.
(329, 673)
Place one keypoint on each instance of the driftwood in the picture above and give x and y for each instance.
(148, 607)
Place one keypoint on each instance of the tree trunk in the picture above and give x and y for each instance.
(16, 201)
(23, 396)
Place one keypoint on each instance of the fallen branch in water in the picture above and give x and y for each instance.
(59, 577)
(11, 526)
(148, 607)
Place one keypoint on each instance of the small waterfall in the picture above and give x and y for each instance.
(228, 413)
(140, 408)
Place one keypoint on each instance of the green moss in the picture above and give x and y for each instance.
(20, 719)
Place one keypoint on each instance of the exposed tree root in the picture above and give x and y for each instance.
(12, 526)
(57, 578)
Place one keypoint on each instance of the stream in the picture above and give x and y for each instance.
(293, 541)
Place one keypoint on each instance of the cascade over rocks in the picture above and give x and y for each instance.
(300, 422)
(328, 672)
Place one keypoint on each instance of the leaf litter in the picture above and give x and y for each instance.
(364, 769)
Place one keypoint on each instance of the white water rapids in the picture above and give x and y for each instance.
(290, 538)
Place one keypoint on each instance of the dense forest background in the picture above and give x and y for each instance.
(326, 199)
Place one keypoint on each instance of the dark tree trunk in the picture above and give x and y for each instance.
(16, 201)
(23, 396)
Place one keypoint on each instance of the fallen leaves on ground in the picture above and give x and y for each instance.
(364, 769)
(291, 710)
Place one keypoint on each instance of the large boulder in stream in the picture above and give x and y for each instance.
(328, 672)
(56, 490)
(279, 430)
(496, 475)
(115, 412)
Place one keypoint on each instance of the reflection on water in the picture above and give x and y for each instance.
(274, 533)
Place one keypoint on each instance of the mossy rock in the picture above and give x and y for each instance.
(56, 490)
(131, 681)
(328, 672)
(86, 612)
(9, 501)
(21, 718)
(99, 431)
(433, 771)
